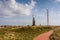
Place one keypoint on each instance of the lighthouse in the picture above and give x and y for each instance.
(33, 22)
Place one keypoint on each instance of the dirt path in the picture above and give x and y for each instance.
(44, 36)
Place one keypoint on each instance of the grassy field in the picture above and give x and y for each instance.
(22, 33)
(55, 35)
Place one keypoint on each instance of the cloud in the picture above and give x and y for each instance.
(57, 0)
(9, 8)
(15, 22)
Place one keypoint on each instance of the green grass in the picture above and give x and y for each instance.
(22, 33)
(55, 35)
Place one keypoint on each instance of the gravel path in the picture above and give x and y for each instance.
(44, 36)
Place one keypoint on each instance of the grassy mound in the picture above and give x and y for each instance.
(21, 33)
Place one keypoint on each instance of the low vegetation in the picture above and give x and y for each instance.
(21, 33)
(55, 35)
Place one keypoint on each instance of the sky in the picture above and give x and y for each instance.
(19, 12)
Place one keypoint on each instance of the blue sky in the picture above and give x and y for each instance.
(19, 12)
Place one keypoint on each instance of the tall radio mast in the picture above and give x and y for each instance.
(47, 17)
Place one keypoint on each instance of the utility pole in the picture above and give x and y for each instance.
(33, 22)
(47, 17)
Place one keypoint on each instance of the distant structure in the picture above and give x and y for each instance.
(33, 22)
(47, 17)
